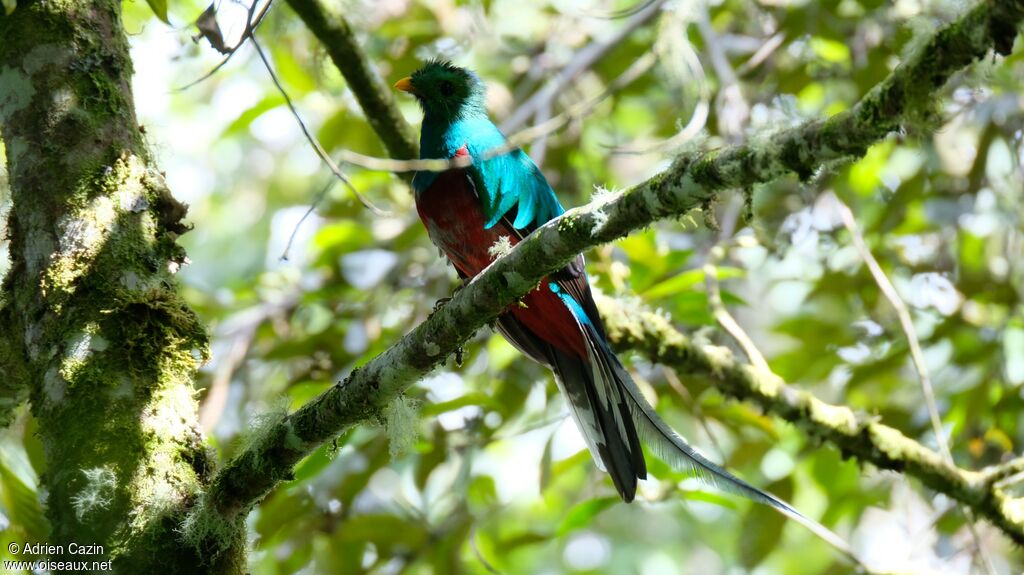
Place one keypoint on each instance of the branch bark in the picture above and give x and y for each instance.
(688, 183)
(107, 348)
(634, 326)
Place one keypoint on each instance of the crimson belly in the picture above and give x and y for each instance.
(451, 212)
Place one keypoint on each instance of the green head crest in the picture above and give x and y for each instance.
(445, 91)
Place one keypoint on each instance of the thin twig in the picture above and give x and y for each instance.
(672, 377)
(637, 69)
(250, 26)
(540, 146)
(906, 322)
(581, 61)
(217, 396)
(313, 141)
(916, 355)
(319, 197)
(767, 49)
(732, 106)
(721, 313)
(678, 57)
(240, 328)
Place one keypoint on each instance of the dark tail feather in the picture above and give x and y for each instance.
(674, 450)
(603, 416)
(606, 425)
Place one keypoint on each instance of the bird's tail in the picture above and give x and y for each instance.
(609, 374)
(603, 415)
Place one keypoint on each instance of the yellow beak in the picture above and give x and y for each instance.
(405, 85)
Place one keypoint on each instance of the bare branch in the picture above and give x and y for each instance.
(374, 95)
(313, 141)
(916, 355)
(252, 22)
(581, 61)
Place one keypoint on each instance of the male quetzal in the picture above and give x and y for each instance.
(469, 210)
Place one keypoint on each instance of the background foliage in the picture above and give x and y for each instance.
(478, 468)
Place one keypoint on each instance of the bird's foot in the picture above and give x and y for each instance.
(443, 301)
(440, 304)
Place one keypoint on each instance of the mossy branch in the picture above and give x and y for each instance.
(688, 183)
(632, 325)
(106, 345)
(14, 385)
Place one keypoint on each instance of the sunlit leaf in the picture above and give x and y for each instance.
(159, 8)
(763, 527)
(582, 514)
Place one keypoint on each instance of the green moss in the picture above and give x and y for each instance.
(706, 171)
(839, 418)
(113, 348)
(16, 92)
(206, 530)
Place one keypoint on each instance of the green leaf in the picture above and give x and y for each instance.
(763, 527)
(21, 505)
(294, 76)
(830, 50)
(242, 122)
(571, 462)
(472, 398)
(386, 531)
(545, 464)
(343, 236)
(526, 538)
(429, 460)
(687, 280)
(482, 493)
(581, 515)
(160, 9)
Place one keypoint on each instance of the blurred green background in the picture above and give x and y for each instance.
(493, 476)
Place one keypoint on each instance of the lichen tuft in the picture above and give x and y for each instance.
(401, 419)
(100, 483)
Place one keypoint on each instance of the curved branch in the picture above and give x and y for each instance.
(632, 325)
(687, 184)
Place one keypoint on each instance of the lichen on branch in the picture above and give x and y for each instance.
(631, 325)
(691, 181)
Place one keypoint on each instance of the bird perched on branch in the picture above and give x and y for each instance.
(498, 200)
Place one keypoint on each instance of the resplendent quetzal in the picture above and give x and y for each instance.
(469, 210)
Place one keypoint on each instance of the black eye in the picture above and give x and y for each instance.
(447, 89)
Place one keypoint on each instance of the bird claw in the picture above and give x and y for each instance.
(443, 301)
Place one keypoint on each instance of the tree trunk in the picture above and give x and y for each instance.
(92, 323)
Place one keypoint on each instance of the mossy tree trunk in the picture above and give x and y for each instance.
(91, 320)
